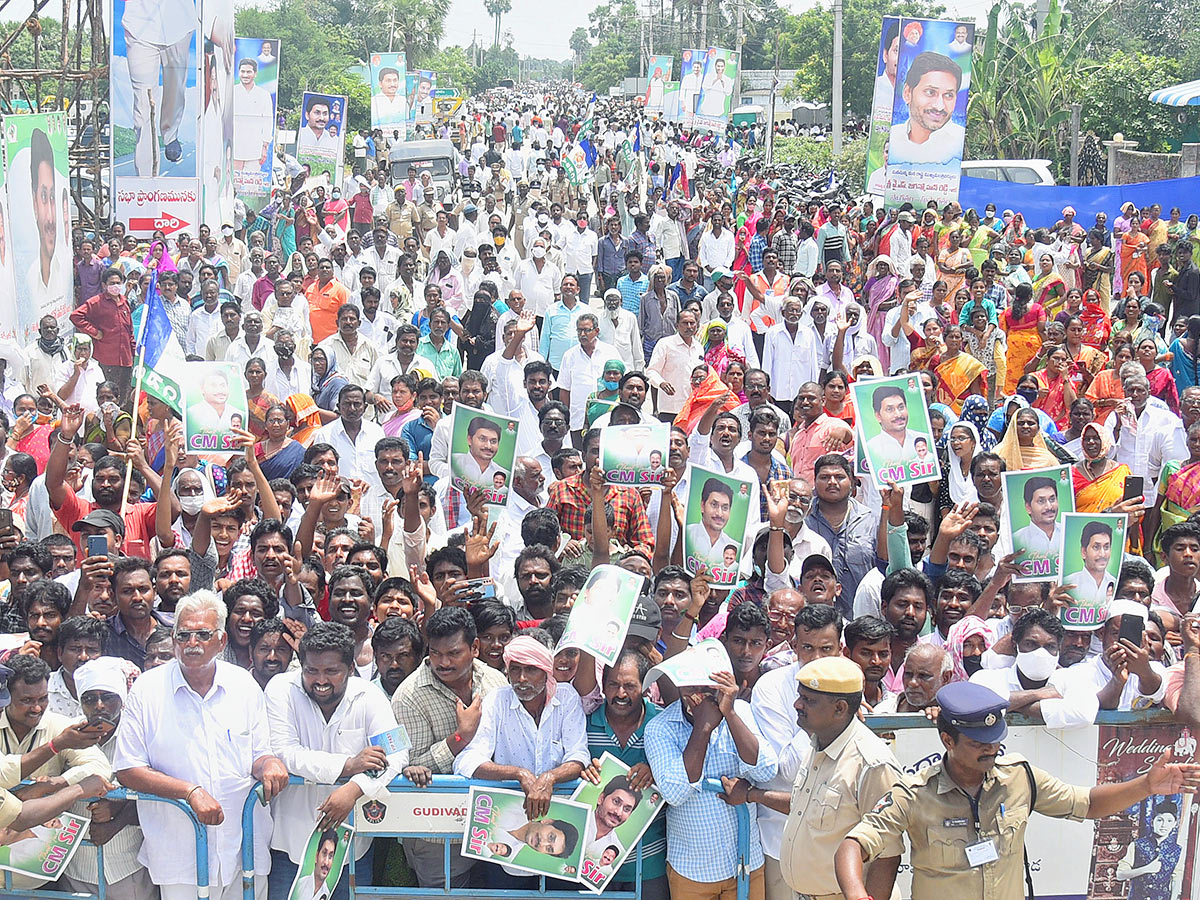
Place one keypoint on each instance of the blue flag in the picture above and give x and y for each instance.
(675, 173)
(590, 154)
(637, 137)
(159, 355)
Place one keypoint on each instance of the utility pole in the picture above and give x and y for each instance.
(1075, 110)
(740, 39)
(771, 108)
(391, 28)
(704, 24)
(837, 77)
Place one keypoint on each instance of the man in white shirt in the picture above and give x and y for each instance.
(286, 375)
(580, 247)
(538, 279)
(1118, 676)
(322, 718)
(353, 437)
(195, 730)
(716, 249)
(671, 364)
(532, 731)
(930, 136)
(203, 321)
(1148, 434)
(790, 353)
(581, 366)
(902, 320)
(619, 327)
(254, 118)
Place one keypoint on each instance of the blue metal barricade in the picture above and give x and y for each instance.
(457, 785)
(125, 794)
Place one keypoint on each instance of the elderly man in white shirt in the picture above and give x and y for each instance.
(582, 365)
(619, 327)
(790, 353)
(323, 717)
(532, 731)
(538, 279)
(1118, 677)
(196, 730)
(1148, 434)
(671, 364)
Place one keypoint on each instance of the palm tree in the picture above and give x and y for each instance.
(496, 9)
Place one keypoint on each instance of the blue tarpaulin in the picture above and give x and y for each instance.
(1042, 206)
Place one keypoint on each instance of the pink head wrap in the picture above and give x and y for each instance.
(965, 628)
(527, 651)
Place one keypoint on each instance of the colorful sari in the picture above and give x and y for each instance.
(1098, 494)
(1050, 291)
(1024, 341)
(1179, 486)
(1162, 386)
(1184, 366)
(1019, 458)
(307, 415)
(979, 243)
(1133, 256)
(719, 354)
(1100, 282)
(1054, 403)
(877, 292)
(256, 408)
(957, 377)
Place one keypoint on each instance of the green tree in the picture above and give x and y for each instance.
(1117, 94)
(453, 67)
(806, 42)
(579, 42)
(496, 9)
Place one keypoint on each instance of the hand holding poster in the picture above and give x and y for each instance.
(483, 448)
(1092, 547)
(894, 429)
(694, 667)
(715, 524)
(619, 815)
(497, 830)
(634, 455)
(324, 857)
(1034, 502)
(600, 615)
(214, 404)
(42, 851)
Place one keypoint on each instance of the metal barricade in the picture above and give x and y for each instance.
(125, 794)
(454, 784)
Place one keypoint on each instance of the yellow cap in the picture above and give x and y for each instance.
(831, 675)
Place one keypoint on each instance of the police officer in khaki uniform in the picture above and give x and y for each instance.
(849, 771)
(966, 815)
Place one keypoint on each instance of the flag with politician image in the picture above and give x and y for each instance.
(321, 868)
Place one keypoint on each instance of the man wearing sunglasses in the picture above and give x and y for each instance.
(196, 730)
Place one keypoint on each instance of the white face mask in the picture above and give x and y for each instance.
(1037, 665)
(538, 252)
(191, 505)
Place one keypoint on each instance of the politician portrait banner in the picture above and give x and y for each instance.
(320, 140)
(1093, 545)
(1034, 504)
(216, 118)
(658, 73)
(715, 524)
(40, 220)
(721, 71)
(929, 112)
(419, 87)
(254, 101)
(483, 448)
(389, 102)
(881, 103)
(691, 79)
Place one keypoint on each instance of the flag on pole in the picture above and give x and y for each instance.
(589, 123)
(158, 354)
(590, 154)
(637, 137)
(675, 173)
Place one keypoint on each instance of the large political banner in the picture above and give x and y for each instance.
(254, 102)
(389, 101)
(8, 325)
(40, 213)
(216, 119)
(881, 103)
(722, 69)
(691, 79)
(929, 112)
(320, 140)
(419, 87)
(658, 73)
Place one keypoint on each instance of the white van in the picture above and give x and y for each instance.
(1016, 171)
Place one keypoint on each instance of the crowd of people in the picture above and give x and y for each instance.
(321, 585)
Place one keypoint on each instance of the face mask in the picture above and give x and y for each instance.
(1037, 665)
(972, 664)
(1028, 394)
(538, 252)
(336, 195)
(191, 505)
(611, 385)
(114, 290)
(499, 241)
(285, 351)
(228, 232)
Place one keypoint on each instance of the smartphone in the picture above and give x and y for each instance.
(1135, 487)
(1131, 629)
(6, 520)
(97, 545)
(480, 589)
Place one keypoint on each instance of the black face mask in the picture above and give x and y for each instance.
(972, 664)
(285, 351)
(1029, 394)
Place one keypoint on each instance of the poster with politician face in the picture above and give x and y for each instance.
(482, 450)
(214, 405)
(1093, 545)
(1034, 504)
(321, 140)
(254, 95)
(420, 87)
(881, 102)
(895, 431)
(691, 79)
(389, 102)
(39, 208)
(715, 102)
(321, 868)
(658, 73)
(715, 524)
(499, 831)
(929, 111)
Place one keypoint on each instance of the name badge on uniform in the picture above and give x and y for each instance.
(981, 852)
(955, 823)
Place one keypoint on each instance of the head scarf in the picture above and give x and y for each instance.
(608, 366)
(319, 381)
(307, 415)
(1107, 441)
(960, 631)
(975, 410)
(527, 651)
(946, 413)
(206, 488)
(105, 673)
(166, 264)
(1018, 458)
(962, 488)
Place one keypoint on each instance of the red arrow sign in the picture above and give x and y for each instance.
(165, 223)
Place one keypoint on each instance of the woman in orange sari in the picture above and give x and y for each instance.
(1024, 323)
(959, 374)
(1106, 391)
(1056, 393)
(1134, 246)
(1099, 480)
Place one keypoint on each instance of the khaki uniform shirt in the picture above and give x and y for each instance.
(73, 765)
(937, 815)
(401, 218)
(842, 783)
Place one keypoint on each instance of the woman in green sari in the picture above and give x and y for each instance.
(604, 398)
(981, 240)
(1178, 492)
